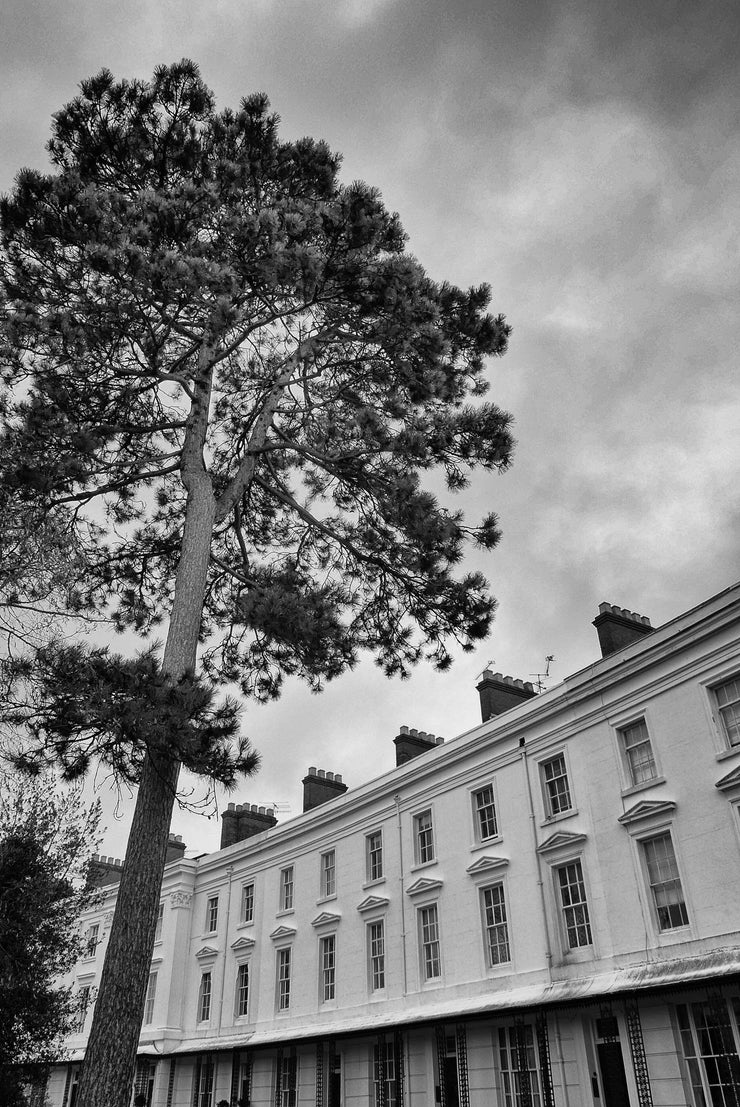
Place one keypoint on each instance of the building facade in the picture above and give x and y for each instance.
(543, 911)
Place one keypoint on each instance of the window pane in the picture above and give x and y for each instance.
(495, 926)
(283, 979)
(375, 856)
(557, 790)
(286, 889)
(377, 955)
(665, 882)
(328, 873)
(328, 968)
(424, 838)
(248, 903)
(728, 701)
(639, 752)
(486, 813)
(429, 927)
(242, 990)
(573, 904)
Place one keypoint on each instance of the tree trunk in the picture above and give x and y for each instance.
(110, 1058)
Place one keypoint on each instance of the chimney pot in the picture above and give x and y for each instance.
(403, 730)
(438, 741)
(321, 774)
(337, 778)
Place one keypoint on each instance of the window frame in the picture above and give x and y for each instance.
(374, 858)
(328, 968)
(247, 886)
(211, 922)
(427, 955)
(622, 731)
(241, 991)
(160, 923)
(500, 887)
(563, 909)
(328, 875)
(205, 997)
(376, 959)
(150, 999)
(718, 710)
(478, 813)
(287, 889)
(283, 975)
(83, 1002)
(426, 844)
(92, 939)
(650, 837)
(287, 1078)
(548, 794)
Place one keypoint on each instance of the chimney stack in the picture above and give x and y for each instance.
(498, 693)
(320, 786)
(103, 870)
(241, 821)
(410, 743)
(617, 627)
(175, 849)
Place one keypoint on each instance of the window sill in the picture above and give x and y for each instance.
(634, 788)
(423, 865)
(326, 899)
(373, 883)
(550, 819)
(731, 751)
(285, 911)
(245, 925)
(484, 843)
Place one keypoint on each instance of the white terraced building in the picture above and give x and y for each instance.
(544, 910)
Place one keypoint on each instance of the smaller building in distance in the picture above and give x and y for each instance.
(543, 911)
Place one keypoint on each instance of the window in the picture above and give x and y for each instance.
(204, 998)
(557, 791)
(429, 936)
(423, 838)
(83, 1002)
(241, 1006)
(286, 889)
(204, 1082)
(638, 752)
(495, 926)
(287, 1076)
(327, 966)
(709, 1041)
(283, 974)
(92, 939)
(384, 1075)
(151, 993)
(247, 903)
(485, 814)
(160, 920)
(573, 904)
(727, 696)
(328, 874)
(665, 883)
(212, 915)
(516, 1045)
(376, 952)
(374, 847)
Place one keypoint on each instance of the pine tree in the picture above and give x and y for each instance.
(213, 337)
(46, 841)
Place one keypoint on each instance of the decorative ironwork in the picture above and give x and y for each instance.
(171, 1081)
(319, 1074)
(399, 1061)
(235, 1062)
(522, 1061)
(543, 1055)
(196, 1082)
(637, 1049)
(67, 1083)
(441, 1054)
(331, 1060)
(461, 1045)
(607, 1027)
(718, 1008)
(380, 1071)
(279, 1078)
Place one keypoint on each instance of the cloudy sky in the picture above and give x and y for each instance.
(583, 158)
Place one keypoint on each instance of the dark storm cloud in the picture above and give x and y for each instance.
(583, 158)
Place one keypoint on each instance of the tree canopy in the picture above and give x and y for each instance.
(46, 841)
(231, 376)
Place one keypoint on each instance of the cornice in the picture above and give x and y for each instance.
(561, 839)
(486, 864)
(647, 809)
(370, 903)
(423, 884)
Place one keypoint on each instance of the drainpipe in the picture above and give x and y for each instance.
(402, 877)
(229, 873)
(540, 882)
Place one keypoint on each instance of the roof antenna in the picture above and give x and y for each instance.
(542, 677)
(489, 665)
